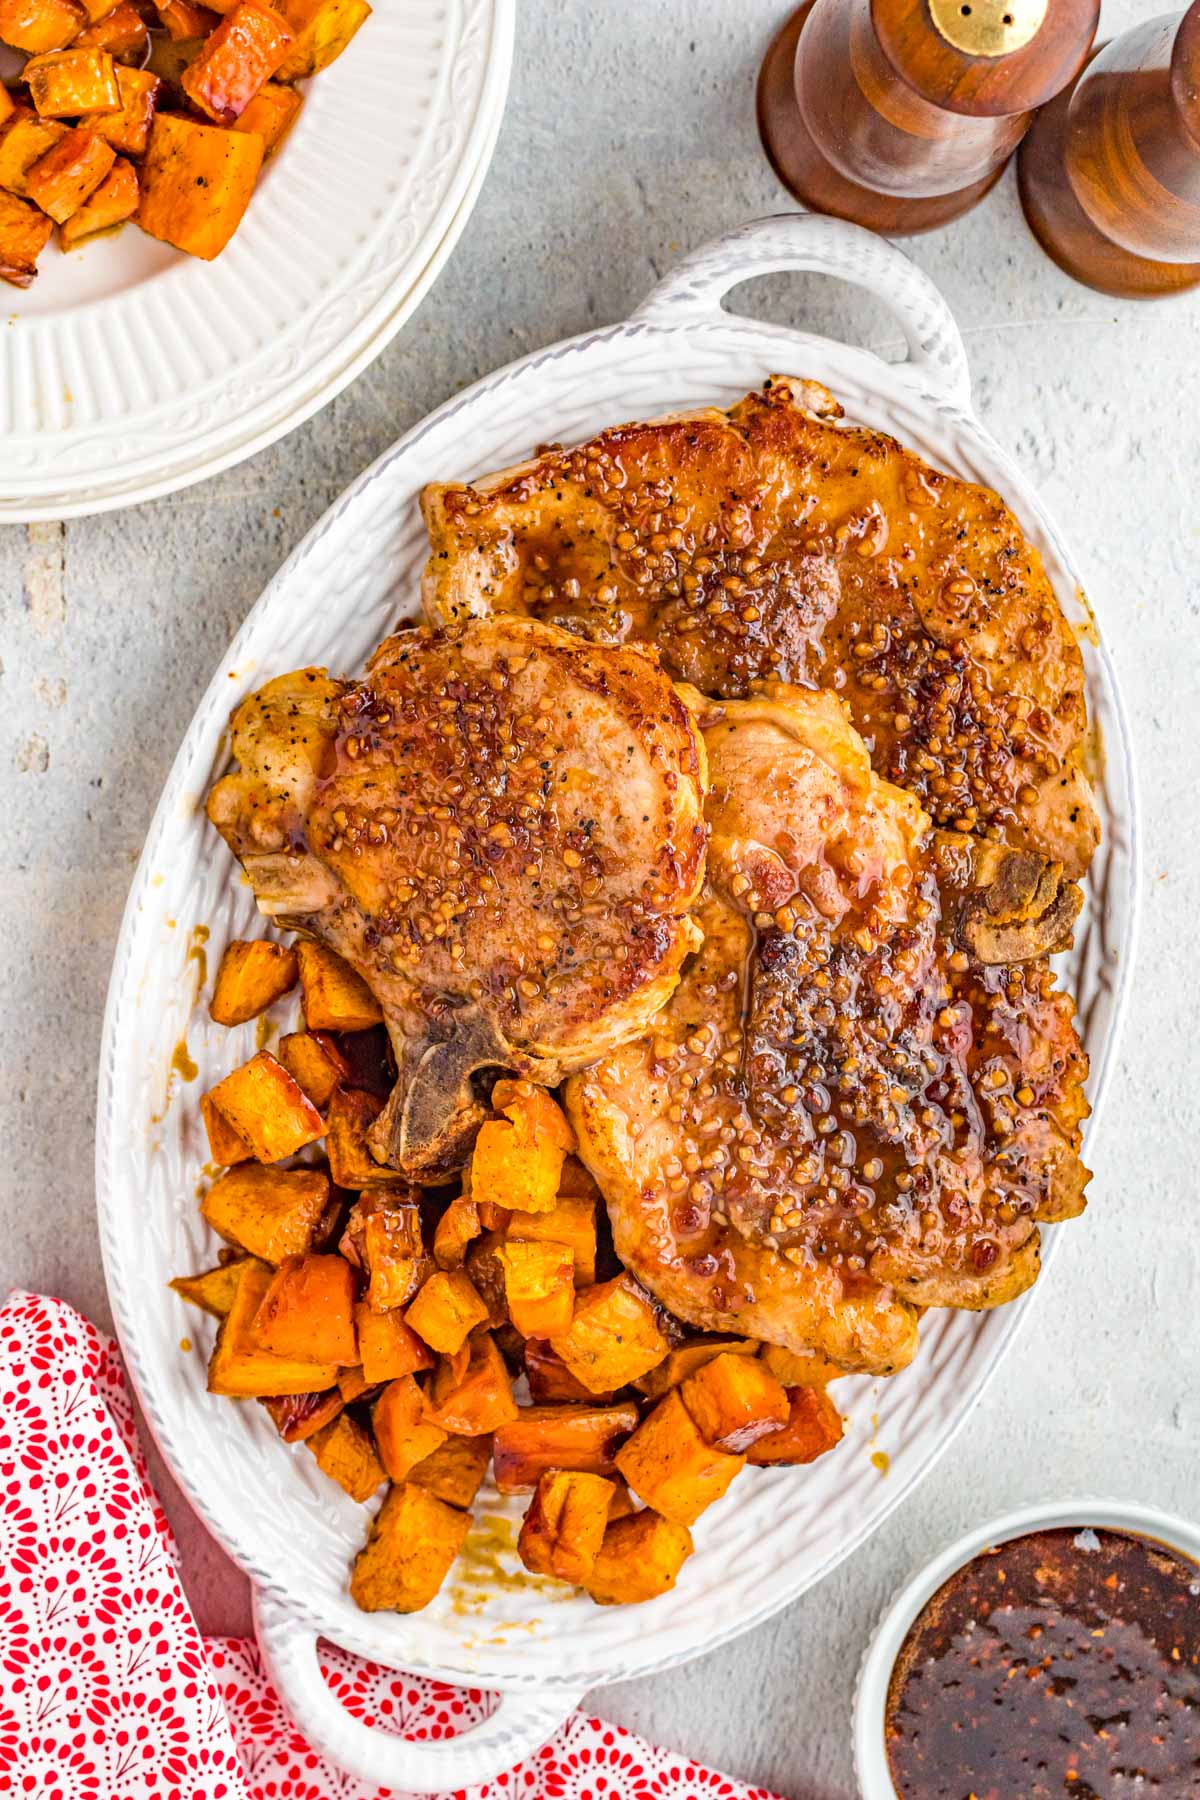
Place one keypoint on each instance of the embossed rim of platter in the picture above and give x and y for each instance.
(775, 1539)
(394, 234)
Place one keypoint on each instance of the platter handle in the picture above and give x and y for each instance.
(811, 243)
(518, 1727)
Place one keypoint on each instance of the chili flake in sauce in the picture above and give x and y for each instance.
(1066, 1662)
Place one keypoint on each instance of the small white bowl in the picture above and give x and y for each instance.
(870, 1752)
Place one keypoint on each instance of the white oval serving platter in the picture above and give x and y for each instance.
(351, 579)
(129, 370)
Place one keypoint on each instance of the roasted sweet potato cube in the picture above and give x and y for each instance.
(213, 1291)
(349, 1117)
(814, 1426)
(298, 1416)
(65, 83)
(322, 30)
(534, 1112)
(586, 1438)
(685, 1359)
(308, 1310)
(23, 142)
(517, 1160)
(114, 201)
(387, 1347)
(23, 234)
(414, 1539)
(272, 113)
(793, 1369)
(474, 1399)
(253, 975)
(486, 1270)
(614, 1336)
(383, 1237)
(446, 1311)
(39, 25)
(241, 1369)
(456, 1228)
(61, 181)
(539, 1284)
(640, 1558)
(7, 104)
(269, 1108)
(565, 1525)
(622, 1503)
(345, 1451)
(550, 1379)
(456, 1469)
(668, 1464)
(734, 1401)
(271, 1213)
(313, 1059)
(226, 1145)
(185, 20)
(569, 1221)
(243, 51)
(334, 997)
(403, 1430)
(122, 32)
(196, 183)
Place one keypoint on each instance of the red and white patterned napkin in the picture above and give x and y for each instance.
(107, 1689)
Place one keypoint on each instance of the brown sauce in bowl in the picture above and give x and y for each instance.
(1064, 1663)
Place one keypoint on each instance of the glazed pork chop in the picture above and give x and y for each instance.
(501, 829)
(845, 1111)
(773, 542)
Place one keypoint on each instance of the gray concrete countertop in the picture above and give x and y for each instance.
(629, 138)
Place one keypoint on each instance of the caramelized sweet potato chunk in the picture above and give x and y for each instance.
(550, 1379)
(472, 1397)
(446, 1311)
(226, 1145)
(7, 104)
(345, 1451)
(308, 1310)
(261, 1100)
(61, 181)
(196, 184)
(414, 1539)
(334, 997)
(350, 1115)
(570, 1221)
(403, 1430)
(235, 59)
(614, 1336)
(240, 1368)
(23, 234)
(387, 1347)
(668, 1464)
(64, 83)
(212, 1291)
(272, 113)
(734, 1401)
(685, 1359)
(122, 32)
(114, 201)
(565, 1525)
(486, 1270)
(539, 1285)
(456, 1469)
(314, 1060)
(185, 20)
(24, 140)
(814, 1426)
(40, 25)
(792, 1369)
(584, 1438)
(456, 1228)
(271, 1213)
(322, 30)
(383, 1237)
(640, 1558)
(298, 1416)
(517, 1160)
(254, 974)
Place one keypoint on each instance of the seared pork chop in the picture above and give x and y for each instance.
(501, 829)
(842, 1114)
(773, 542)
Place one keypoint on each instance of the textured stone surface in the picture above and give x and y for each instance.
(629, 138)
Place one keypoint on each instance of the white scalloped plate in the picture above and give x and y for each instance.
(129, 370)
(345, 586)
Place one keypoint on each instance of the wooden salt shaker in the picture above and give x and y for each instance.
(1110, 173)
(900, 114)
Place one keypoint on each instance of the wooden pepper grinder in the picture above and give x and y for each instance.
(900, 114)
(1110, 173)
